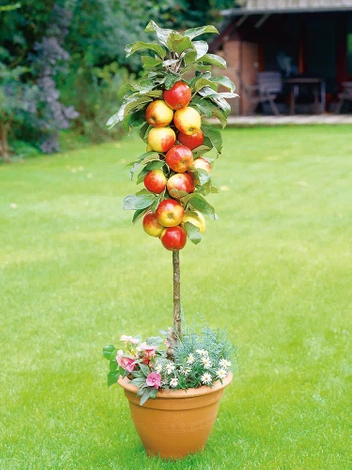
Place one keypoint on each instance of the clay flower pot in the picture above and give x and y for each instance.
(177, 422)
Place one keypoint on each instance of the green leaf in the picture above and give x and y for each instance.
(190, 57)
(133, 102)
(202, 175)
(196, 66)
(178, 43)
(226, 82)
(200, 204)
(171, 79)
(138, 201)
(193, 233)
(203, 82)
(138, 381)
(194, 32)
(135, 119)
(213, 134)
(147, 157)
(140, 45)
(201, 48)
(221, 115)
(145, 369)
(113, 365)
(150, 62)
(144, 131)
(109, 352)
(113, 377)
(214, 59)
(148, 392)
(139, 214)
(162, 34)
(154, 341)
(126, 87)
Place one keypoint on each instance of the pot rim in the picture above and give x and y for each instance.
(190, 392)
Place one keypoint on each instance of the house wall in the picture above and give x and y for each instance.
(241, 57)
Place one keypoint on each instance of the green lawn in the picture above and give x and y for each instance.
(276, 271)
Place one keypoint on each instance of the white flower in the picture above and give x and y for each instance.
(202, 352)
(169, 368)
(221, 373)
(158, 367)
(190, 359)
(224, 364)
(173, 382)
(206, 378)
(185, 371)
(206, 362)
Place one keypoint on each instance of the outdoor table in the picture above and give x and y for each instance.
(318, 89)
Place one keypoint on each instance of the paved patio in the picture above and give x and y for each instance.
(297, 119)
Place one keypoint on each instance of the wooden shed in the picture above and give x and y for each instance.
(298, 38)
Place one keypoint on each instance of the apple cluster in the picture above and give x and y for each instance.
(176, 131)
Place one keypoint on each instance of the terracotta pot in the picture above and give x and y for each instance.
(177, 422)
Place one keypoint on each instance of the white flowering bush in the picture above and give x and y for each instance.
(197, 360)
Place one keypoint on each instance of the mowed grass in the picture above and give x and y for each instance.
(276, 271)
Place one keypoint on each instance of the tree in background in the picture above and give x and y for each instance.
(29, 61)
(66, 55)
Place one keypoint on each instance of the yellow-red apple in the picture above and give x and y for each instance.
(202, 164)
(179, 158)
(161, 139)
(158, 113)
(187, 120)
(181, 182)
(151, 225)
(174, 238)
(169, 213)
(178, 96)
(192, 141)
(155, 181)
(196, 218)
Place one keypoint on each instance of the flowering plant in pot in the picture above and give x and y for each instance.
(171, 105)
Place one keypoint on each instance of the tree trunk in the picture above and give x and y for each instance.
(4, 146)
(177, 294)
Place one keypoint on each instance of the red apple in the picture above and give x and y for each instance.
(158, 113)
(155, 181)
(181, 182)
(151, 225)
(161, 139)
(178, 96)
(174, 238)
(187, 120)
(179, 158)
(196, 218)
(191, 141)
(169, 213)
(202, 164)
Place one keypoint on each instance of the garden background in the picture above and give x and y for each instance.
(75, 274)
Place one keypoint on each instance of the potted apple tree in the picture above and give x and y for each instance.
(174, 383)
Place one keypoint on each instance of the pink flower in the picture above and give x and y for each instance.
(129, 339)
(167, 343)
(153, 380)
(148, 351)
(125, 362)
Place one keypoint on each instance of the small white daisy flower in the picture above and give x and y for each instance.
(221, 373)
(186, 371)
(202, 352)
(169, 368)
(206, 362)
(190, 359)
(158, 367)
(174, 382)
(206, 378)
(223, 363)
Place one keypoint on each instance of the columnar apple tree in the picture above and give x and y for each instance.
(171, 105)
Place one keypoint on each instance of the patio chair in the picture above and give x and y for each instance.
(345, 95)
(269, 85)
